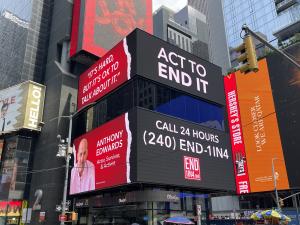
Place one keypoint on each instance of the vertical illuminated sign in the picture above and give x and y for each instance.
(236, 136)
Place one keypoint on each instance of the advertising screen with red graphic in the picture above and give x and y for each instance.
(105, 75)
(102, 157)
(98, 25)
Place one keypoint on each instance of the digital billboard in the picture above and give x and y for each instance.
(138, 145)
(102, 157)
(150, 57)
(98, 25)
(285, 81)
(182, 153)
(21, 107)
(260, 133)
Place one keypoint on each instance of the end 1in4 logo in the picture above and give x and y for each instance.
(191, 168)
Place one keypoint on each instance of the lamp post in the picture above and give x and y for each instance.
(67, 152)
(275, 184)
(68, 156)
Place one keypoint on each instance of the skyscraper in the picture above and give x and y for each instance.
(203, 20)
(212, 10)
(277, 19)
(24, 39)
(24, 33)
(12, 49)
(176, 29)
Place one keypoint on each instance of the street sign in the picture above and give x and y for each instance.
(62, 217)
(199, 212)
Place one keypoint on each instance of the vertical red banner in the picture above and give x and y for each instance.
(236, 136)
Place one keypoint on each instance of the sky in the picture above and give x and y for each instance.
(172, 4)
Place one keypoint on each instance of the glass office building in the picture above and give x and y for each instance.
(23, 40)
(264, 16)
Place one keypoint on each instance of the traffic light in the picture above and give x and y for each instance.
(74, 216)
(281, 203)
(247, 55)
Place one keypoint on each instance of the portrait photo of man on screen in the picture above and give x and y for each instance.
(83, 173)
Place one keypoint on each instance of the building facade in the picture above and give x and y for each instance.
(199, 26)
(25, 34)
(218, 51)
(140, 106)
(24, 44)
(268, 17)
(167, 27)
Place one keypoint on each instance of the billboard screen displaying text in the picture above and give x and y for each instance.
(258, 136)
(140, 144)
(141, 54)
(182, 153)
(98, 25)
(22, 106)
(102, 157)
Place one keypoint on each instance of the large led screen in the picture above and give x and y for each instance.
(21, 106)
(258, 133)
(135, 147)
(144, 55)
(98, 25)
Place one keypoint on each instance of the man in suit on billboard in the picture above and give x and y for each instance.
(3, 120)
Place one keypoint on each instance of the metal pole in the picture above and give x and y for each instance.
(68, 156)
(247, 30)
(67, 168)
(275, 185)
(297, 210)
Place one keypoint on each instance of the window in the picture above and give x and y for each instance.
(161, 99)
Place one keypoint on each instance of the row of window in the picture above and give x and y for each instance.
(259, 15)
(179, 39)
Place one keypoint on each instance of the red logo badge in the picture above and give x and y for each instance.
(191, 168)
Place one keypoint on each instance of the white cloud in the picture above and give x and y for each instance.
(172, 4)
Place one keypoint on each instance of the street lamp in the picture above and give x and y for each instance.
(65, 150)
(275, 185)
